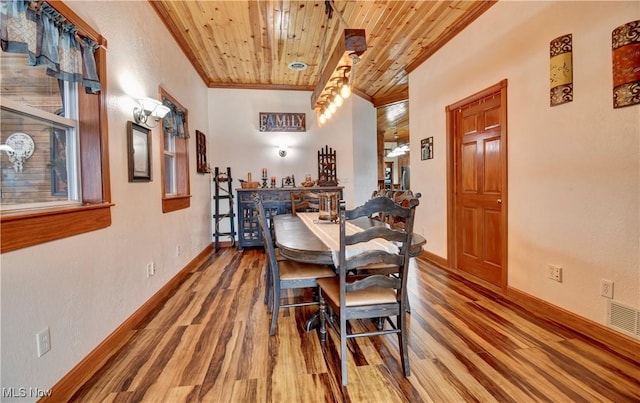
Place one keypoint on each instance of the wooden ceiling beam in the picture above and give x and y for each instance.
(353, 41)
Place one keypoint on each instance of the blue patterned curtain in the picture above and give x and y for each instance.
(173, 123)
(48, 39)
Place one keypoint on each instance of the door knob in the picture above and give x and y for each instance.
(499, 201)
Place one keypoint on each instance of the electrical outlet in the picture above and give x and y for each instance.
(43, 342)
(178, 251)
(151, 269)
(606, 288)
(554, 273)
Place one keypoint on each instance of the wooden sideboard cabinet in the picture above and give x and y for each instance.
(276, 201)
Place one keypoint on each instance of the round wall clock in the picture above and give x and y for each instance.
(23, 146)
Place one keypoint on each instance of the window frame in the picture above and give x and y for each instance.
(22, 229)
(181, 199)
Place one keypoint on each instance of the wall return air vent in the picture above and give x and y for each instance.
(624, 318)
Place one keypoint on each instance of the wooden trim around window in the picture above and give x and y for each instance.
(182, 199)
(23, 229)
(20, 231)
(170, 204)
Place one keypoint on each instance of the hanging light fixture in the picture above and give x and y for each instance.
(333, 84)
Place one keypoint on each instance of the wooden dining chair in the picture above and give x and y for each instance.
(304, 201)
(370, 295)
(402, 198)
(286, 274)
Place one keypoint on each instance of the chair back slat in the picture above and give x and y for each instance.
(304, 201)
(376, 280)
(376, 232)
(374, 257)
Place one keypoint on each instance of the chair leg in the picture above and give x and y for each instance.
(406, 301)
(402, 342)
(276, 308)
(267, 282)
(343, 349)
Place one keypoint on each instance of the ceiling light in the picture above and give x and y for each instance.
(297, 66)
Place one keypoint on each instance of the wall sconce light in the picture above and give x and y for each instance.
(334, 86)
(149, 107)
(282, 151)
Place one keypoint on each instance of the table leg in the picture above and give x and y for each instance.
(313, 322)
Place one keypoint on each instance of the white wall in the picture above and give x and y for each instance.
(235, 140)
(574, 169)
(85, 286)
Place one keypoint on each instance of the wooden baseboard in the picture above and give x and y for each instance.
(617, 342)
(435, 259)
(64, 389)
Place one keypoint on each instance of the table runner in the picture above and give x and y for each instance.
(329, 234)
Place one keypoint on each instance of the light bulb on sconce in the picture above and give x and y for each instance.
(282, 151)
(149, 107)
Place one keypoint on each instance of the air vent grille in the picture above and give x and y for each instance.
(624, 318)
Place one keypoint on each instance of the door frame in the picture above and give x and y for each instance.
(451, 176)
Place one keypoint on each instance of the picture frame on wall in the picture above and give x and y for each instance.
(426, 149)
(202, 166)
(139, 152)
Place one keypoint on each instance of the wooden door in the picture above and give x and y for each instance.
(480, 186)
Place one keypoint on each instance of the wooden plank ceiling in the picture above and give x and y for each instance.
(250, 44)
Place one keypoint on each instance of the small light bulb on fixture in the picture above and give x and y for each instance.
(345, 91)
(337, 98)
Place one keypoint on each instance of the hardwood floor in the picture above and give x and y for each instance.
(210, 342)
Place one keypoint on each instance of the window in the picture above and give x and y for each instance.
(39, 120)
(60, 190)
(175, 157)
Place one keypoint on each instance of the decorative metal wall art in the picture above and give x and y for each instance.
(561, 70)
(327, 175)
(625, 48)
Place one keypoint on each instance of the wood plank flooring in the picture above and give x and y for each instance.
(209, 342)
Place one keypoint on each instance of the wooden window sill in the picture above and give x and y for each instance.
(174, 203)
(21, 230)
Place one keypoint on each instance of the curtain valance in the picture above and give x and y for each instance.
(41, 32)
(174, 121)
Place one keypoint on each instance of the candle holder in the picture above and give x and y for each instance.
(264, 182)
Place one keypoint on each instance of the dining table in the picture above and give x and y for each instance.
(296, 241)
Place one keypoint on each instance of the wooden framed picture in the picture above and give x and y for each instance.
(139, 147)
(202, 166)
(426, 149)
